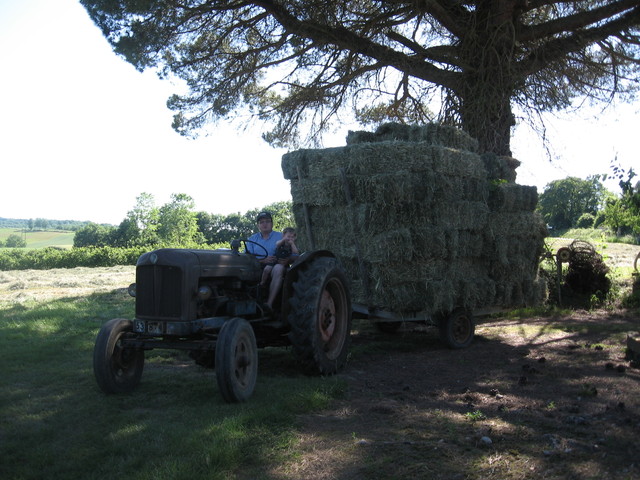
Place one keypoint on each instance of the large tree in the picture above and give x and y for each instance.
(564, 201)
(299, 64)
(177, 222)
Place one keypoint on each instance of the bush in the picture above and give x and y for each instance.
(15, 241)
(586, 220)
(51, 257)
(632, 300)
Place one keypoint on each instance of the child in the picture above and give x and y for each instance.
(286, 248)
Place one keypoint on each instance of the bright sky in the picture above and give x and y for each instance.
(82, 133)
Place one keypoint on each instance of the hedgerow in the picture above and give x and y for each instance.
(51, 257)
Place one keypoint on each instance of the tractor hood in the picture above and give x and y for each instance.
(209, 263)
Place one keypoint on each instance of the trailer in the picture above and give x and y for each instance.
(427, 229)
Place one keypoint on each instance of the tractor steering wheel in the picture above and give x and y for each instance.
(259, 256)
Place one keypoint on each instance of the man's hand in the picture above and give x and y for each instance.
(269, 259)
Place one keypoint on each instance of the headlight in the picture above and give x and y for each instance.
(204, 293)
(132, 290)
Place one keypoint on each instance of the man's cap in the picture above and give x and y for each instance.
(262, 215)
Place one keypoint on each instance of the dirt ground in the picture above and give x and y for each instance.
(543, 397)
(531, 398)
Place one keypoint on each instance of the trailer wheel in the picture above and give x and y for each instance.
(117, 368)
(236, 360)
(563, 254)
(320, 317)
(457, 329)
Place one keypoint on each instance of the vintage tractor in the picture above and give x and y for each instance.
(210, 303)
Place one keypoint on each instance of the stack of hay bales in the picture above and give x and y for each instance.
(419, 220)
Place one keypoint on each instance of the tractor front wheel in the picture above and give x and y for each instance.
(117, 368)
(236, 360)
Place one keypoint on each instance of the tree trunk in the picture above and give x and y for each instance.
(486, 115)
(488, 84)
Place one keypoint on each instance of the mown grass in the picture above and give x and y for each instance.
(55, 423)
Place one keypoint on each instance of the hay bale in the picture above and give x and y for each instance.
(400, 188)
(434, 285)
(381, 159)
(517, 223)
(500, 167)
(322, 191)
(427, 229)
(362, 159)
(432, 134)
(511, 197)
(463, 214)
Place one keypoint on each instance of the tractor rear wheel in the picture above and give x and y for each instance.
(320, 317)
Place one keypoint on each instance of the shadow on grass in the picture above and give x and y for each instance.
(413, 401)
(54, 418)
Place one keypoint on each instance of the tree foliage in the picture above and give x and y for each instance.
(623, 214)
(93, 235)
(141, 224)
(177, 223)
(563, 202)
(221, 229)
(15, 241)
(300, 64)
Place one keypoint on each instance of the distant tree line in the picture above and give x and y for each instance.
(42, 224)
(177, 224)
(576, 203)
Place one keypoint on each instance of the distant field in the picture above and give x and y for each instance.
(41, 239)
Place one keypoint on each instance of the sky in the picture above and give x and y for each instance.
(83, 134)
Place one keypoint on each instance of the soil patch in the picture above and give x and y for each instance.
(534, 398)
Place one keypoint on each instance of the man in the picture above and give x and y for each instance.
(267, 238)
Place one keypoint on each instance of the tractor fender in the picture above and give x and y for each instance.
(292, 275)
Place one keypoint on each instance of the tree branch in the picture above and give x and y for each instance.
(450, 14)
(348, 40)
(556, 49)
(573, 22)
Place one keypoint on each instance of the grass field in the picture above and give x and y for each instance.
(55, 423)
(401, 409)
(385, 417)
(63, 239)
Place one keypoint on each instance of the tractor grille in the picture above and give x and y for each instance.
(159, 291)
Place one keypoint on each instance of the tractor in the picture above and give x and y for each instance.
(210, 303)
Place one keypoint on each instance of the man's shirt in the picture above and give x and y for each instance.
(269, 243)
